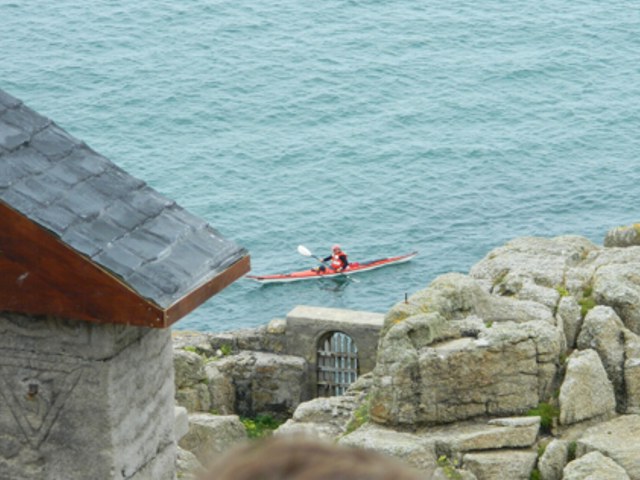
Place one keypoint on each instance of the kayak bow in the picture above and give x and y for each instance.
(311, 274)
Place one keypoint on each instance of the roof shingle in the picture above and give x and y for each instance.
(121, 224)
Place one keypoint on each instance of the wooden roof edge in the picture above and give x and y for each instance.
(198, 296)
(43, 284)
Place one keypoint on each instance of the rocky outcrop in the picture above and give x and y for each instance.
(511, 464)
(530, 363)
(466, 360)
(552, 462)
(616, 439)
(586, 391)
(594, 465)
(624, 236)
(210, 435)
(265, 383)
(415, 450)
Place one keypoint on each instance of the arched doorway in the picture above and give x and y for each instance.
(337, 364)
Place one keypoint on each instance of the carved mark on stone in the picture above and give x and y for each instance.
(36, 396)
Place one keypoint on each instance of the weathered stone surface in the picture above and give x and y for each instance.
(329, 417)
(602, 331)
(586, 391)
(71, 386)
(181, 425)
(412, 449)
(326, 431)
(194, 399)
(187, 465)
(162, 466)
(331, 413)
(618, 285)
(510, 432)
(456, 296)
(594, 466)
(553, 460)
(277, 326)
(441, 473)
(624, 236)
(188, 368)
(222, 394)
(198, 341)
(616, 439)
(570, 312)
(500, 464)
(542, 260)
(502, 370)
(212, 434)
(632, 372)
(265, 383)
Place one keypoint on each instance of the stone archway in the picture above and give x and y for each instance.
(337, 363)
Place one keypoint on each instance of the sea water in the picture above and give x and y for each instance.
(446, 127)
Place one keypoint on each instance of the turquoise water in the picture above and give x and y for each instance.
(447, 127)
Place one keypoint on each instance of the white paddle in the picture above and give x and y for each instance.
(302, 250)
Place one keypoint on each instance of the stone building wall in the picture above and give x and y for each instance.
(81, 400)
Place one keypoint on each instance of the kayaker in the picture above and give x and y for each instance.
(338, 260)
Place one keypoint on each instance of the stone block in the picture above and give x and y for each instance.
(616, 439)
(501, 464)
(181, 422)
(594, 465)
(85, 401)
(586, 391)
(412, 449)
(210, 435)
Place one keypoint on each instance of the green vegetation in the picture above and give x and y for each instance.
(571, 451)
(535, 474)
(449, 468)
(260, 426)
(191, 348)
(587, 302)
(541, 448)
(561, 289)
(500, 277)
(226, 349)
(360, 416)
(547, 413)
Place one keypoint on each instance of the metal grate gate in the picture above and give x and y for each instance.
(337, 364)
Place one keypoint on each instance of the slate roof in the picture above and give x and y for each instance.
(156, 247)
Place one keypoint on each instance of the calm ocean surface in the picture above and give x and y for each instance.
(447, 127)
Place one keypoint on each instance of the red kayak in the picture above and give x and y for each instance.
(353, 268)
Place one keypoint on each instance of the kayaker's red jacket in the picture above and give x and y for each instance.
(338, 260)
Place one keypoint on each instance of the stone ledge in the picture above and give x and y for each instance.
(304, 313)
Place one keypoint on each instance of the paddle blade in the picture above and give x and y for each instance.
(302, 250)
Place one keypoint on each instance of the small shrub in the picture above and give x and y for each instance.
(449, 468)
(226, 349)
(547, 413)
(561, 289)
(541, 448)
(535, 474)
(190, 348)
(260, 426)
(360, 416)
(586, 304)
